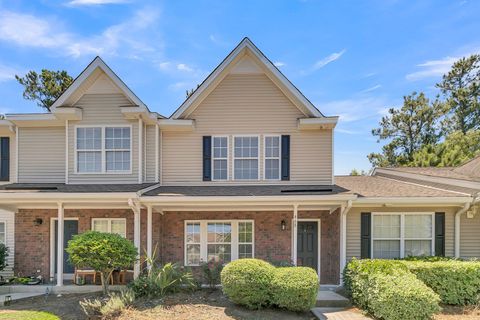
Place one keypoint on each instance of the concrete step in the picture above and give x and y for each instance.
(337, 314)
(331, 299)
(18, 296)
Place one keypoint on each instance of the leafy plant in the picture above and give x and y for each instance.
(110, 306)
(103, 252)
(295, 288)
(247, 282)
(3, 256)
(457, 282)
(159, 281)
(211, 272)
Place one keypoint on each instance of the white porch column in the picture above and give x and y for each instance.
(343, 237)
(136, 240)
(60, 247)
(149, 232)
(295, 235)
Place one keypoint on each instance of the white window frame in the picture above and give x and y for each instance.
(204, 241)
(279, 158)
(4, 231)
(402, 231)
(227, 158)
(103, 150)
(110, 224)
(258, 158)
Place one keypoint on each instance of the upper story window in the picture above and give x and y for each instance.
(272, 158)
(246, 158)
(2, 232)
(220, 158)
(402, 235)
(103, 149)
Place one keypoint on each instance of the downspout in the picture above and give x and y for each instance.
(466, 207)
(343, 237)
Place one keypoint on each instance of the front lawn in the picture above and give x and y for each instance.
(30, 315)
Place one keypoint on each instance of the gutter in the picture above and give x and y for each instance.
(473, 201)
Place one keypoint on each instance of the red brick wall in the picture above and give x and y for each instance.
(271, 243)
(32, 243)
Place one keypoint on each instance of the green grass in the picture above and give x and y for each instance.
(30, 315)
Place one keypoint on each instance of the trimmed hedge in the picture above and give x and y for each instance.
(247, 282)
(294, 288)
(388, 290)
(457, 282)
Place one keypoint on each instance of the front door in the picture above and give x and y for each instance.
(69, 230)
(307, 244)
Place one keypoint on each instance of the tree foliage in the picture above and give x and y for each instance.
(3, 256)
(408, 129)
(461, 89)
(103, 252)
(442, 133)
(46, 87)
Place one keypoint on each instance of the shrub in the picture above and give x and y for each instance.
(110, 306)
(399, 297)
(294, 288)
(159, 281)
(388, 290)
(457, 282)
(103, 252)
(3, 256)
(428, 258)
(247, 282)
(211, 272)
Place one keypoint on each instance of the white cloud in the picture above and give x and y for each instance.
(279, 64)
(184, 67)
(355, 109)
(217, 40)
(375, 87)
(95, 2)
(328, 59)
(164, 65)
(127, 38)
(432, 68)
(7, 73)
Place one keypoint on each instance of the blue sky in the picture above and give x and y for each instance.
(350, 58)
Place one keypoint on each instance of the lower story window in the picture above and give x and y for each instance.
(402, 235)
(218, 240)
(118, 226)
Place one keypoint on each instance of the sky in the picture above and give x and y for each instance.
(354, 59)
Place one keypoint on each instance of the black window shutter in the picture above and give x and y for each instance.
(207, 158)
(440, 234)
(366, 237)
(285, 157)
(4, 158)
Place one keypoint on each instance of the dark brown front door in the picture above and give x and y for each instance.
(307, 244)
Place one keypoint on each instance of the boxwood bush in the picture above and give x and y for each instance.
(294, 288)
(247, 282)
(457, 282)
(388, 290)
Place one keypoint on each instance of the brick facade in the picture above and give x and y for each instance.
(271, 243)
(32, 243)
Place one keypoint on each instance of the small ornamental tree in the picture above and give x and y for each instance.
(3, 256)
(103, 252)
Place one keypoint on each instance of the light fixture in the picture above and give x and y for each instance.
(37, 222)
(283, 225)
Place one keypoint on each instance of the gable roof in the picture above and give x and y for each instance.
(246, 47)
(92, 70)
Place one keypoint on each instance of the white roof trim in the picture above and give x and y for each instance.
(246, 44)
(97, 63)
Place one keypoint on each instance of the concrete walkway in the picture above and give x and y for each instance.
(337, 314)
(331, 299)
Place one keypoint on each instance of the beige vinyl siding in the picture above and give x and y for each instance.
(41, 153)
(150, 154)
(247, 104)
(102, 110)
(9, 219)
(353, 227)
(470, 236)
